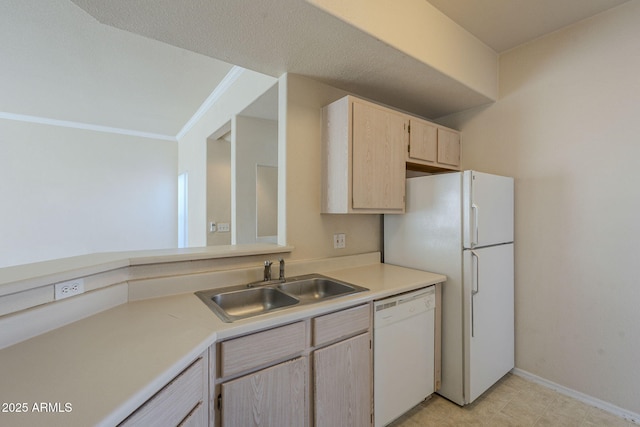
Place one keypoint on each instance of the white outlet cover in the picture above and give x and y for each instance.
(68, 289)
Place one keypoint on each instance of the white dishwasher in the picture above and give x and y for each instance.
(404, 365)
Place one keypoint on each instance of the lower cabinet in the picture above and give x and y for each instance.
(317, 372)
(271, 397)
(182, 402)
(342, 383)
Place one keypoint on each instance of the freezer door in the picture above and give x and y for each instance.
(489, 324)
(487, 209)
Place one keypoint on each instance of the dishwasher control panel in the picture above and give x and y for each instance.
(401, 306)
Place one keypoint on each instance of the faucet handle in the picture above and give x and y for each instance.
(281, 276)
(267, 271)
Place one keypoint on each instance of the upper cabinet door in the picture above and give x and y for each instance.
(432, 148)
(363, 158)
(379, 138)
(366, 150)
(423, 141)
(448, 147)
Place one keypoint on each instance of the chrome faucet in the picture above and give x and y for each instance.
(267, 271)
(281, 276)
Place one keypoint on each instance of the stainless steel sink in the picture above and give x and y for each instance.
(243, 301)
(318, 288)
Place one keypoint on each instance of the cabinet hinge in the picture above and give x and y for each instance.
(408, 148)
(370, 346)
(409, 128)
(219, 401)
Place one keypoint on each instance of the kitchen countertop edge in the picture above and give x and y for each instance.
(186, 310)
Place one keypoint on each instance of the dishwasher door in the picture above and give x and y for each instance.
(404, 331)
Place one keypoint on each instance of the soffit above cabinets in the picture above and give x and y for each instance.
(278, 36)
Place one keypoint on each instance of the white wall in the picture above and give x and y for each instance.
(299, 137)
(59, 62)
(267, 202)
(68, 192)
(566, 127)
(218, 187)
(307, 230)
(192, 146)
(256, 144)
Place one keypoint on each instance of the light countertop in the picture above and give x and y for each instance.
(109, 364)
(23, 277)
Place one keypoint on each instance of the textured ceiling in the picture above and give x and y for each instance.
(278, 36)
(60, 62)
(504, 24)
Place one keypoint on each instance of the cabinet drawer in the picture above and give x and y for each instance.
(343, 323)
(259, 349)
(175, 402)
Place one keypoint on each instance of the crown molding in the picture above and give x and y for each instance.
(84, 126)
(222, 87)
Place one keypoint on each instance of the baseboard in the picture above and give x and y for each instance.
(589, 400)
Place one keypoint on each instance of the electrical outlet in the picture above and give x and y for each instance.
(212, 227)
(339, 241)
(223, 227)
(69, 288)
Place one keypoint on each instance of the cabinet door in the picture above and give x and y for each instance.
(275, 396)
(423, 141)
(183, 398)
(448, 147)
(196, 418)
(342, 376)
(379, 141)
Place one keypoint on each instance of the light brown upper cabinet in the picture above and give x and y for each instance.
(432, 145)
(363, 157)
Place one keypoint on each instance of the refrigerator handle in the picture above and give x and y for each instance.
(477, 275)
(474, 241)
(475, 290)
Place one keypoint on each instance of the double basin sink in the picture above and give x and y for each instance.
(244, 301)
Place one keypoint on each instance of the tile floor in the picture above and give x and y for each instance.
(513, 401)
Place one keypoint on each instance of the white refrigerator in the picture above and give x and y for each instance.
(461, 225)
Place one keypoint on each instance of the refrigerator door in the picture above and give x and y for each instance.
(489, 326)
(487, 209)
(429, 237)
